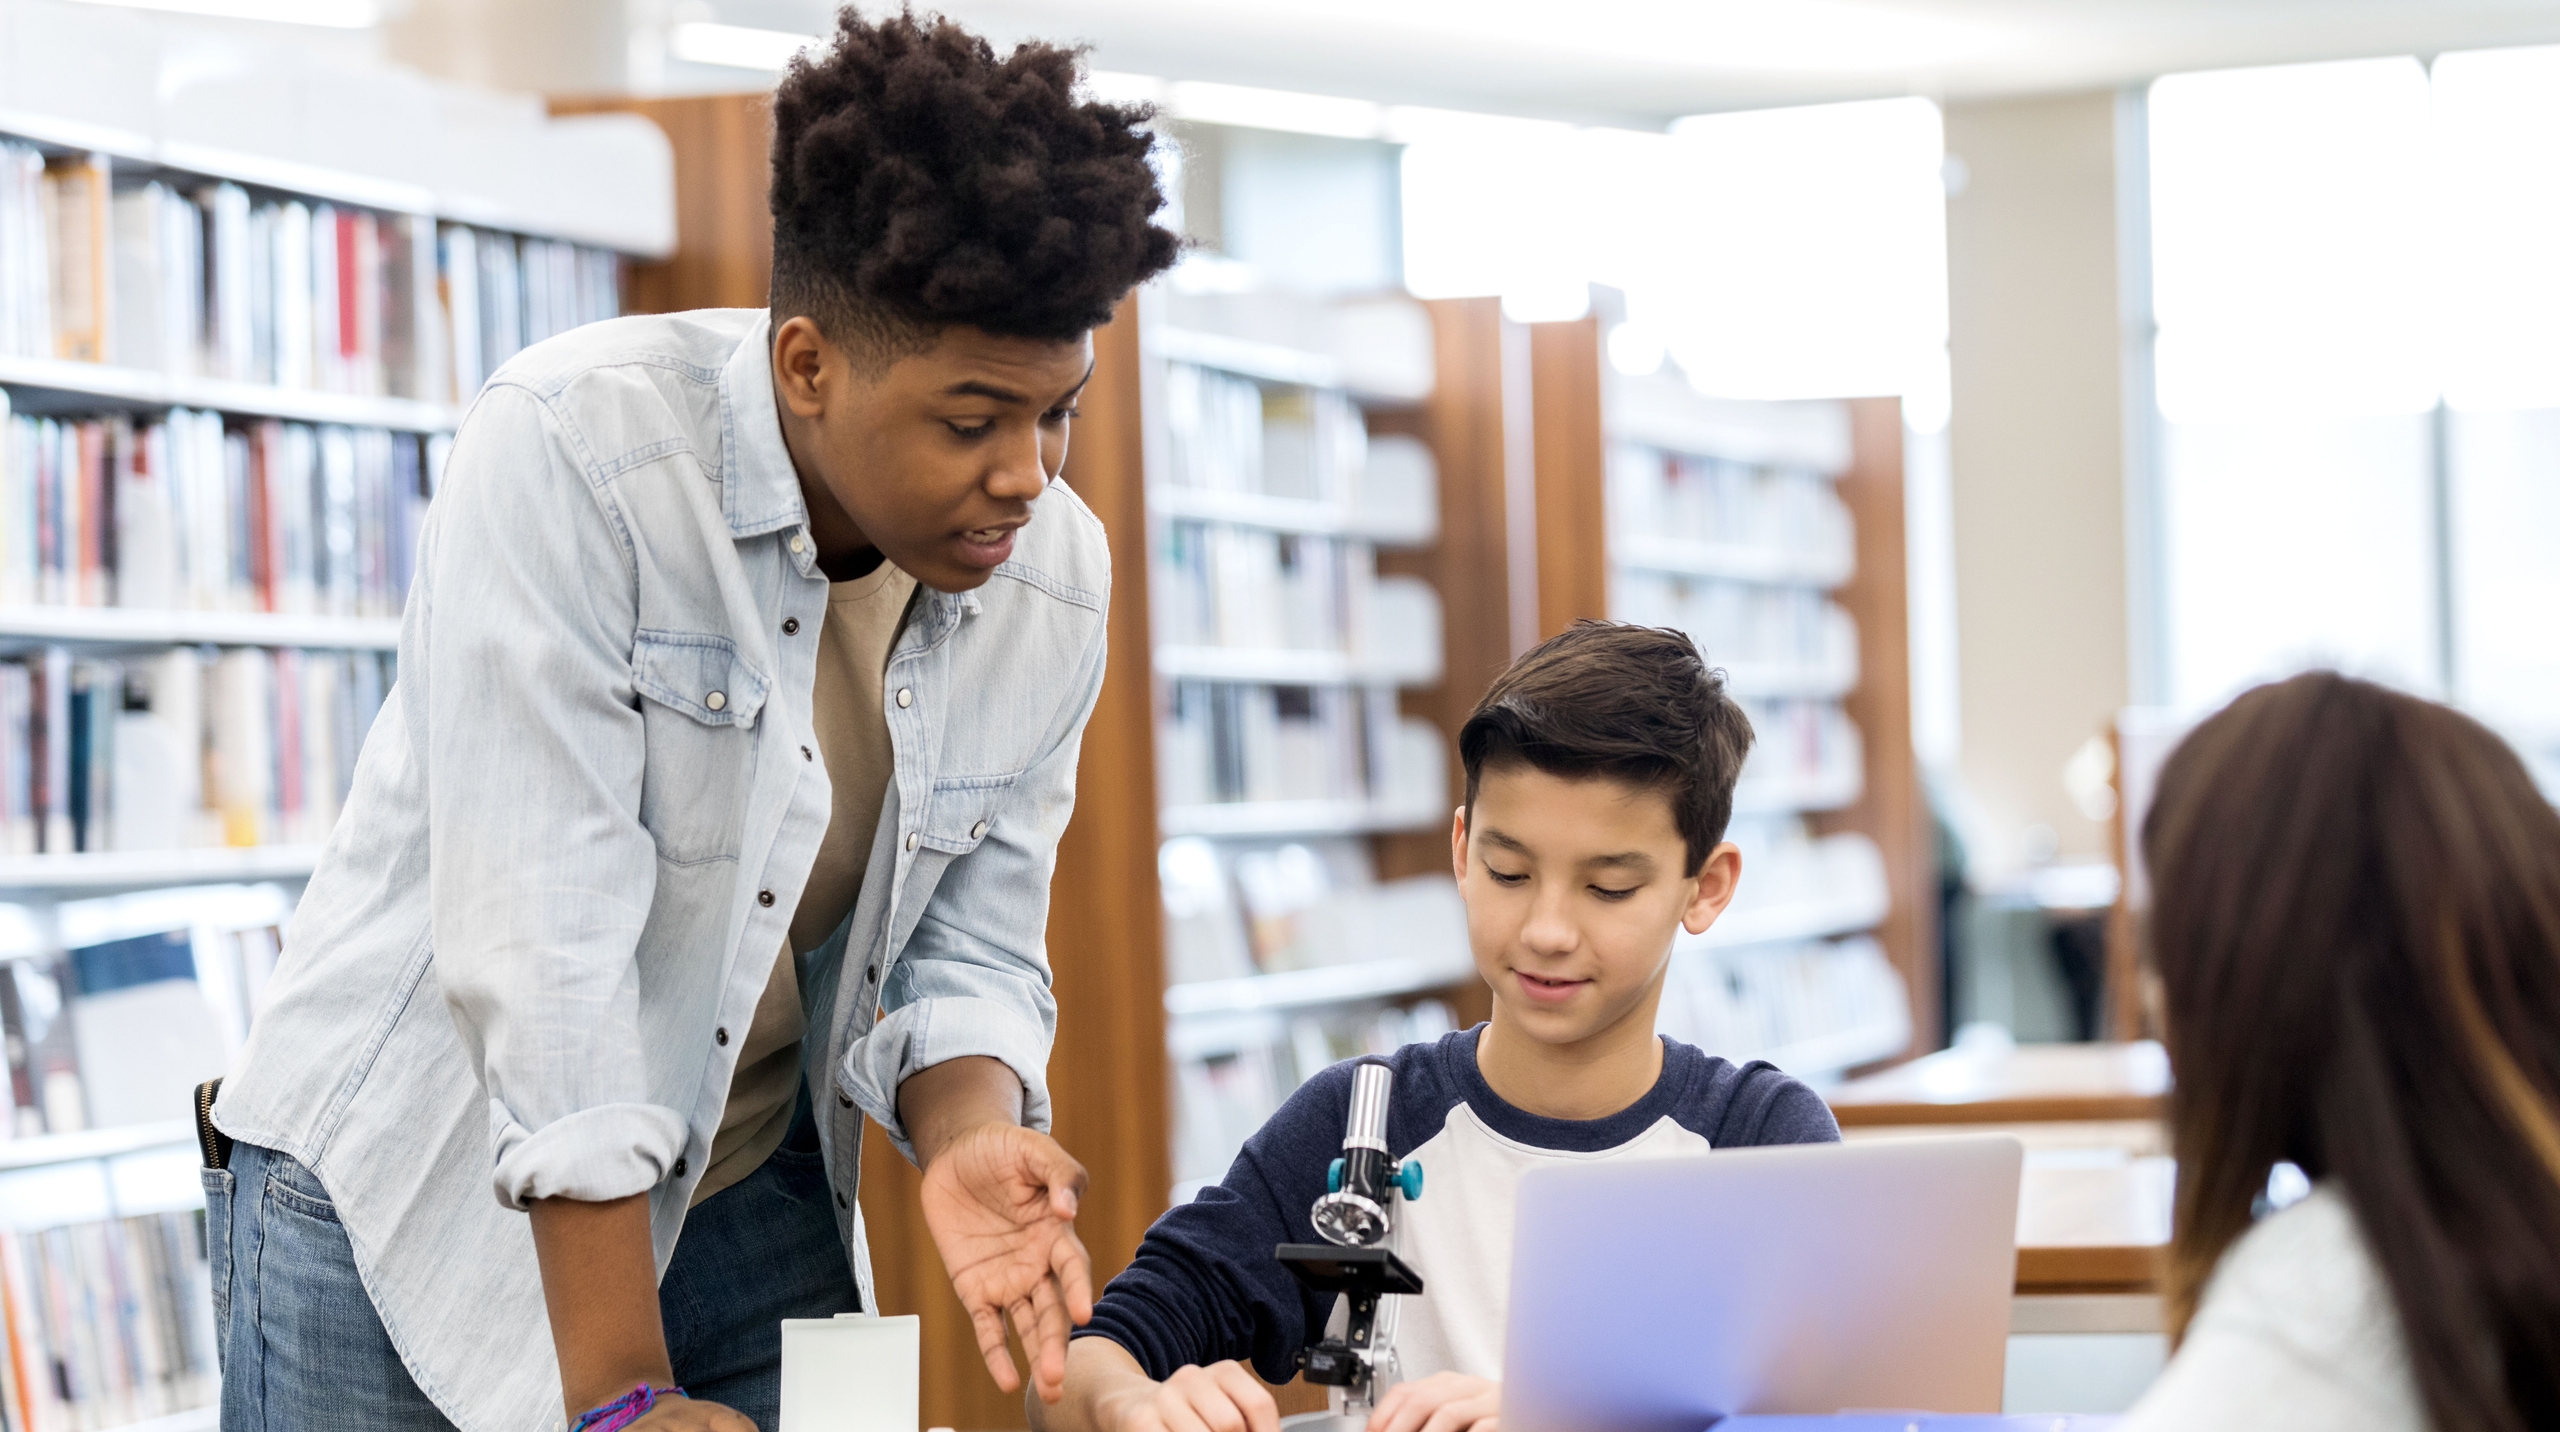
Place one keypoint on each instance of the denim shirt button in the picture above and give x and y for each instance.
(716, 700)
(911, 840)
(799, 544)
(978, 831)
(906, 697)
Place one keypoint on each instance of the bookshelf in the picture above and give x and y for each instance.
(228, 376)
(1289, 469)
(1769, 532)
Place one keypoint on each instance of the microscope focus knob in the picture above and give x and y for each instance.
(1409, 1178)
(1333, 1177)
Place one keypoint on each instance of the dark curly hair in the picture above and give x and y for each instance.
(919, 182)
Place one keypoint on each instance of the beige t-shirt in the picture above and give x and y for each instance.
(846, 708)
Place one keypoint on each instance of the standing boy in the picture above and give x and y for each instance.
(1600, 772)
(741, 693)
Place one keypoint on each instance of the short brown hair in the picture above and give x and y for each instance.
(2357, 932)
(1634, 703)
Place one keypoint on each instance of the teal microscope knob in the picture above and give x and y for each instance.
(1333, 1177)
(1410, 1177)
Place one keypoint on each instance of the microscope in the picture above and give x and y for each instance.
(1357, 1260)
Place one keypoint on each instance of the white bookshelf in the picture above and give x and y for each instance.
(1281, 819)
(108, 872)
(1721, 519)
(40, 385)
(1298, 515)
(1285, 667)
(1732, 562)
(639, 222)
(1300, 989)
(89, 1145)
(142, 629)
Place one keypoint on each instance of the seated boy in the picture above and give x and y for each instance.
(1600, 772)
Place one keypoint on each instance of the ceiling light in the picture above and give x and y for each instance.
(738, 47)
(1119, 87)
(334, 14)
(1251, 108)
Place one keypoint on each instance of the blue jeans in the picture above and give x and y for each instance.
(303, 1351)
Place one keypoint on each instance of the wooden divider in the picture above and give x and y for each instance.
(1893, 812)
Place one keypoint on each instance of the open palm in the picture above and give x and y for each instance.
(1001, 1204)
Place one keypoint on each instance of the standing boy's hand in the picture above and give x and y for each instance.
(1442, 1402)
(1000, 1201)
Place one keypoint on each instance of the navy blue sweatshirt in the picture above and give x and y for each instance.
(1204, 1287)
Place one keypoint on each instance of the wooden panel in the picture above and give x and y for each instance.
(724, 226)
(1470, 565)
(1572, 473)
(1107, 1079)
(1893, 812)
(2089, 1270)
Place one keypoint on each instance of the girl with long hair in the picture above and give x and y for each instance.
(2357, 933)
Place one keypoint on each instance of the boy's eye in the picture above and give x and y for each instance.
(1503, 878)
(1060, 415)
(971, 430)
(1605, 893)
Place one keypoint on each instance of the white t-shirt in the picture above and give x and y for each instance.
(2296, 1334)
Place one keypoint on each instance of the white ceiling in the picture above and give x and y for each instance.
(1646, 61)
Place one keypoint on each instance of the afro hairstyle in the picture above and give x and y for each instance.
(920, 183)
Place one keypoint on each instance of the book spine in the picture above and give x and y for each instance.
(77, 193)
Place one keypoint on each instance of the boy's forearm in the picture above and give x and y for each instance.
(600, 1285)
(1098, 1370)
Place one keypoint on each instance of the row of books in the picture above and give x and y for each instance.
(1815, 1008)
(1804, 755)
(1713, 500)
(1244, 588)
(1239, 908)
(109, 1323)
(155, 994)
(1220, 1100)
(190, 748)
(207, 280)
(190, 511)
(1218, 585)
(1235, 435)
(1221, 741)
(1740, 623)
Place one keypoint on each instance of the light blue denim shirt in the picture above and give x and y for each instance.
(532, 949)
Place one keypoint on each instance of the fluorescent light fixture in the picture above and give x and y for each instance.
(1251, 108)
(738, 47)
(331, 14)
(1121, 87)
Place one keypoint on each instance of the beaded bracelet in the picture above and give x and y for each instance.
(621, 1412)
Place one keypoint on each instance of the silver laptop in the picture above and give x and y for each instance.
(1659, 1296)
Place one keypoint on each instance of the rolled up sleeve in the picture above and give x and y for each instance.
(541, 873)
(974, 977)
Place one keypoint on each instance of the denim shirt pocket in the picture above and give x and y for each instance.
(963, 810)
(698, 709)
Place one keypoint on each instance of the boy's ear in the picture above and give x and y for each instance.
(1458, 845)
(1717, 880)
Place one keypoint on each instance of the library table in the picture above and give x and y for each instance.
(2094, 1204)
(2011, 1084)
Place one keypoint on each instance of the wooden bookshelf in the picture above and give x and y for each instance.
(1872, 790)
